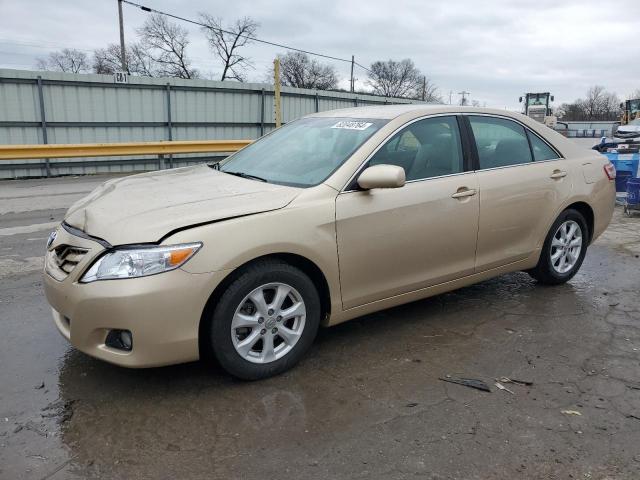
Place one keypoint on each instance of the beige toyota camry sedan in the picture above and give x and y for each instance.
(330, 217)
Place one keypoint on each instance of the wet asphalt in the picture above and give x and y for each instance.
(366, 402)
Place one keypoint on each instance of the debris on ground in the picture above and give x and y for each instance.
(571, 412)
(467, 382)
(514, 381)
(39, 457)
(39, 386)
(502, 387)
(62, 410)
(35, 428)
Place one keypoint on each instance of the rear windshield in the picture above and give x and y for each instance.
(302, 153)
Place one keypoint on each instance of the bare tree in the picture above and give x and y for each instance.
(396, 79)
(597, 105)
(298, 69)
(104, 62)
(595, 102)
(428, 91)
(570, 111)
(107, 60)
(67, 60)
(165, 44)
(600, 104)
(225, 43)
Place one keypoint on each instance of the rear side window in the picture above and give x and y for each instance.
(425, 149)
(541, 151)
(500, 142)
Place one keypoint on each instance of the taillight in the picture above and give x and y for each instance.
(610, 170)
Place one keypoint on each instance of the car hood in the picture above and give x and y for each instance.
(145, 208)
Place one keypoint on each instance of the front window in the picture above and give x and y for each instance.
(425, 149)
(302, 153)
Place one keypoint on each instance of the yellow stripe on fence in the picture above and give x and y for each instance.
(24, 152)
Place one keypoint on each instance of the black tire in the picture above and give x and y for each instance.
(544, 272)
(250, 278)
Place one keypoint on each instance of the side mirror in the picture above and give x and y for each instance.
(552, 99)
(382, 176)
(520, 100)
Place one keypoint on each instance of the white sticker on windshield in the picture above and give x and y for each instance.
(351, 125)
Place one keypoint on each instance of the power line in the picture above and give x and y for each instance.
(21, 54)
(16, 64)
(249, 37)
(200, 60)
(44, 46)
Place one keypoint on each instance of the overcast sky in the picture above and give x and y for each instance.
(495, 49)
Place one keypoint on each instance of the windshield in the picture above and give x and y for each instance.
(535, 100)
(302, 153)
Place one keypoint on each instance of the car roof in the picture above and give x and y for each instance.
(400, 113)
(389, 112)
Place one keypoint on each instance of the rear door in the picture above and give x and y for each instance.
(523, 181)
(393, 241)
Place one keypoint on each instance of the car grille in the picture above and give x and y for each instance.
(67, 257)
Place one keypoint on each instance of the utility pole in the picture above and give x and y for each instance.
(424, 87)
(123, 57)
(276, 91)
(450, 95)
(464, 99)
(353, 61)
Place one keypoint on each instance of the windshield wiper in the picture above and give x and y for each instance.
(246, 175)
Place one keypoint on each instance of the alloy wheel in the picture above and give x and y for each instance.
(566, 246)
(268, 323)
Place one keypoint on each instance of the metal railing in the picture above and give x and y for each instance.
(584, 133)
(24, 152)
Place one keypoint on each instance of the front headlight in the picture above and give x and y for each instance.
(139, 261)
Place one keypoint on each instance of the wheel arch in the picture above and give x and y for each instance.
(587, 212)
(309, 267)
(576, 204)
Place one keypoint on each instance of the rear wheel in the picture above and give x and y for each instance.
(265, 321)
(563, 250)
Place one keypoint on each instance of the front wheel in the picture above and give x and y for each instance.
(265, 321)
(563, 250)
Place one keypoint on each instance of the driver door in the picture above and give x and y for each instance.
(394, 241)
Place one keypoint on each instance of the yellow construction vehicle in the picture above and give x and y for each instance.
(629, 128)
(630, 111)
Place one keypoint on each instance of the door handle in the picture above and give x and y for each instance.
(558, 174)
(464, 192)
